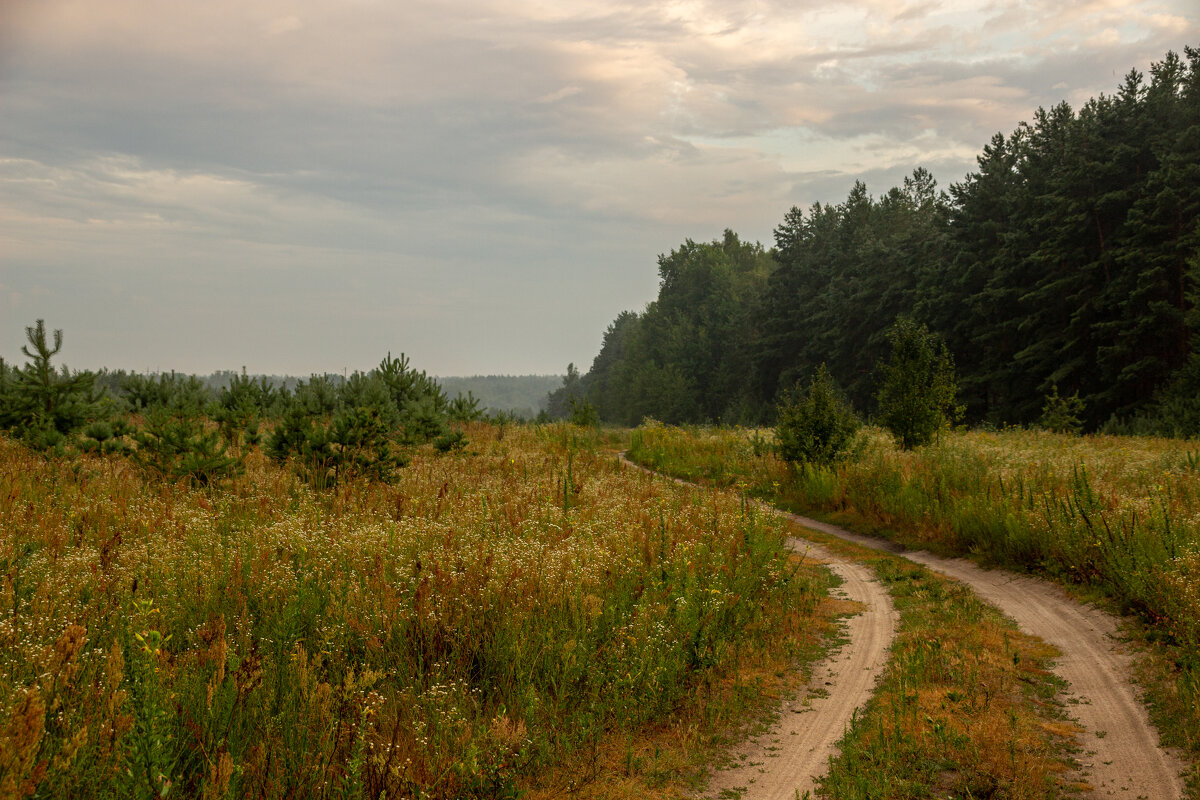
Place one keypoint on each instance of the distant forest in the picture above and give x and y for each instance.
(522, 396)
(1069, 263)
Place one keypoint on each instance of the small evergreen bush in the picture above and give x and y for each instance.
(917, 386)
(175, 448)
(816, 423)
(1062, 414)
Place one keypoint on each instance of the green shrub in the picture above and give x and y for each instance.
(816, 424)
(583, 413)
(175, 448)
(1062, 414)
(465, 408)
(448, 442)
(917, 386)
(355, 442)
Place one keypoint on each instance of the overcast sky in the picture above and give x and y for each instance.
(303, 186)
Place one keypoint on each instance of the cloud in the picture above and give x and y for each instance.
(510, 158)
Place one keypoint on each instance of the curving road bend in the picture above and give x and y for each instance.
(1121, 755)
(785, 762)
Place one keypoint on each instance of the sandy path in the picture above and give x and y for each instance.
(1121, 756)
(785, 762)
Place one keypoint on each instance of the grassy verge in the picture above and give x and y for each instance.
(1116, 516)
(527, 619)
(671, 757)
(966, 708)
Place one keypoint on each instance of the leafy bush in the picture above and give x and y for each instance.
(816, 424)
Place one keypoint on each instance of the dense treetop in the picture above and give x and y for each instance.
(1067, 262)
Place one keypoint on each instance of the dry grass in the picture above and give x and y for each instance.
(1112, 515)
(487, 621)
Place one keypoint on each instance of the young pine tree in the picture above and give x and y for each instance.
(917, 386)
(42, 404)
(816, 424)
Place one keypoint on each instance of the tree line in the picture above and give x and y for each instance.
(329, 428)
(1065, 266)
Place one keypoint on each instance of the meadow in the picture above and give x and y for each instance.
(1114, 517)
(525, 617)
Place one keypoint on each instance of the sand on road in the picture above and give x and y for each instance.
(1121, 754)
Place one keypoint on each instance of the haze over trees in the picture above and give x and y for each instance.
(1067, 264)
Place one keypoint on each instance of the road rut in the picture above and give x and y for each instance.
(1122, 757)
(785, 762)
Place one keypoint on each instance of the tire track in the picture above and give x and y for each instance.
(1122, 757)
(785, 762)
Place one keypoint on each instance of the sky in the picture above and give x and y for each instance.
(305, 186)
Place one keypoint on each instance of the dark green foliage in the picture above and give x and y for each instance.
(583, 414)
(558, 402)
(917, 387)
(845, 273)
(175, 394)
(424, 420)
(353, 443)
(450, 442)
(107, 437)
(407, 385)
(335, 432)
(45, 406)
(175, 448)
(686, 357)
(816, 424)
(1066, 260)
(241, 404)
(360, 447)
(1062, 414)
(319, 396)
(465, 408)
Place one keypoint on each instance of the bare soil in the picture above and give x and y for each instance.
(1121, 756)
(785, 762)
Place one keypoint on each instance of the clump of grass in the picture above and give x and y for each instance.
(966, 707)
(719, 456)
(488, 624)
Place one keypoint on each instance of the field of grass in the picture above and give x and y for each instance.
(1114, 516)
(525, 618)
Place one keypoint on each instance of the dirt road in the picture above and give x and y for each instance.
(784, 763)
(1121, 757)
